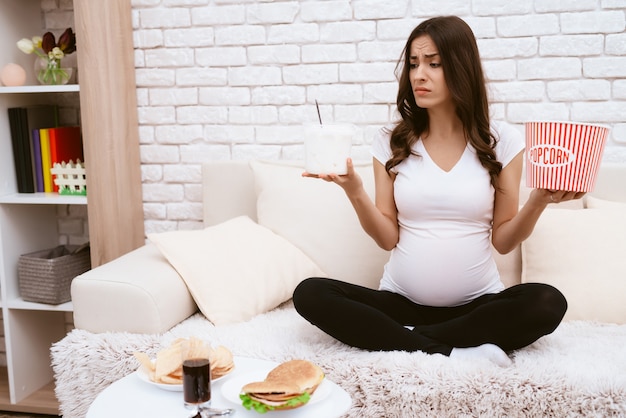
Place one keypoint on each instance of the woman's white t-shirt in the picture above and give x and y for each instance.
(443, 256)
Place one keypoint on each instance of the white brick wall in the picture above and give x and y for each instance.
(226, 79)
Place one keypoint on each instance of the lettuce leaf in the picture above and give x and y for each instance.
(262, 408)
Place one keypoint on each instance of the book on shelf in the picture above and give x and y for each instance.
(57, 145)
(23, 173)
(37, 160)
(65, 145)
(46, 164)
(22, 121)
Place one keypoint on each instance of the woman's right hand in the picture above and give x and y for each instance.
(350, 182)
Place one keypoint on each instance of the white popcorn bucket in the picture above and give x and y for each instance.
(564, 155)
(327, 147)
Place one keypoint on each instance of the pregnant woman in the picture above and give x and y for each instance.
(447, 186)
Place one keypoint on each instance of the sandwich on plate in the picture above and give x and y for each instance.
(287, 386)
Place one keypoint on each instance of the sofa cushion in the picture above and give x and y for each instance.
(595, 203)
(318, 218)
(581, 252)
(236, 269)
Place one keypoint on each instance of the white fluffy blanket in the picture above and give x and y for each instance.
(578, 371)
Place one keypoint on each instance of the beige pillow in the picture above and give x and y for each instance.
(595, 203)
(581, 252)
(318, 218)
(236, 269)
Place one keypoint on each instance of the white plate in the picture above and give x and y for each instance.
(171, 387)
(144, 376)
(232, 388)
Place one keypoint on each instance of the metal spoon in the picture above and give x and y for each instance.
(214, 412)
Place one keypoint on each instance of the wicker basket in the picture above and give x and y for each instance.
(45, 276)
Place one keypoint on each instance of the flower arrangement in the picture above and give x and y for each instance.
(51, 52)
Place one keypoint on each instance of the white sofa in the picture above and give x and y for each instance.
(140, 302)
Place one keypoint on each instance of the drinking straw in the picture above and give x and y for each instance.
(319, 116)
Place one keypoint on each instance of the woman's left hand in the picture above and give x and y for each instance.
(557, 196)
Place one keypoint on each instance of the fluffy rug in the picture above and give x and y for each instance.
(578, 371)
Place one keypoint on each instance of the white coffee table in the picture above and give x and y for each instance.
(132, 397)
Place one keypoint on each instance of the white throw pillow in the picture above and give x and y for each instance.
(595, 203)
(318, 218)
(236, 269)
(581, 252)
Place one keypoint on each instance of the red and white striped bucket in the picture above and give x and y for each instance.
(564, 155)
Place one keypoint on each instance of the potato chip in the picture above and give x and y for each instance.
(145, 361)
(167, 368)
(171, 380)
(221, 357)
(168, 360)
(196, 348)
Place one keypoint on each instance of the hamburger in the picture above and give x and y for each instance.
(287, 386)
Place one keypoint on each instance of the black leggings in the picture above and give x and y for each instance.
(376, 319)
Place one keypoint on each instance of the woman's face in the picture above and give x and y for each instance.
(426, 75)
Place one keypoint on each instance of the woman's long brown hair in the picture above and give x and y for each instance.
(464, 77)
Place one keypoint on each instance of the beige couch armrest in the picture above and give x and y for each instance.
(139, 292)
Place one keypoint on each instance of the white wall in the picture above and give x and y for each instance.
(225, 79)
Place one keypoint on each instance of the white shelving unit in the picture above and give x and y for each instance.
(28, 222)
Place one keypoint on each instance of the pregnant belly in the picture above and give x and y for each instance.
(446, 272)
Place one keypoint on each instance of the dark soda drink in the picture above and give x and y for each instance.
(196, 381)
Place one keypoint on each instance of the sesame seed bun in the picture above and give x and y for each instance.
(285, 385)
